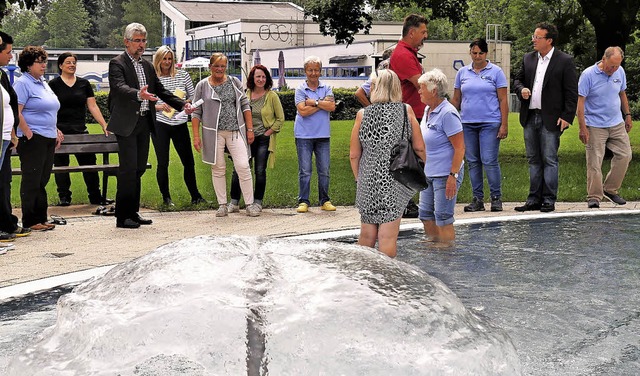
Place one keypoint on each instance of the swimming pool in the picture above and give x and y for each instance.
(564, 290)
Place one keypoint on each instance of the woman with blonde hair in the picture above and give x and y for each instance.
(170, 127)
(225, 116)
(381, 199)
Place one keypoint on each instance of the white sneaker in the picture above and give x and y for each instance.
(4, 247)
(222, 211)
(253, 210)
(231, 208)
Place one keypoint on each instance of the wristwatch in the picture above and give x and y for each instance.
(454, 174)
(316, 103)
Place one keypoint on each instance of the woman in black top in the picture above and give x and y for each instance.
(75, 95)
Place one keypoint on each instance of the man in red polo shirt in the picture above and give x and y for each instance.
(404, 60)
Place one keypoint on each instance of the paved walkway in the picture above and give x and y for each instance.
(89, 241)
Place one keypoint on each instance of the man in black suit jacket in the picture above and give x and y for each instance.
(134, 86)
(547, 86)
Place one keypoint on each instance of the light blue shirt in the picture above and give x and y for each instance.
(602, 107)
(441, 123)
(41, 105)
(479, 93)
(315, 125)
(366, 86)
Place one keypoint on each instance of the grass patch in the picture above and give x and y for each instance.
(282, 182)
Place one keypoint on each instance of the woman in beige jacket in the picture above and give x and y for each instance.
(226, 121)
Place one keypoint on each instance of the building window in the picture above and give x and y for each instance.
(228, 44)
(328, 72)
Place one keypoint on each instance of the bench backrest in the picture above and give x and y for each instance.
(87, 143)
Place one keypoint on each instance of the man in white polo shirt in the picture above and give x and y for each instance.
(605, 121)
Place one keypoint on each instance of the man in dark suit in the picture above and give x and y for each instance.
(8, 221)
(134, 86)
(547, 86)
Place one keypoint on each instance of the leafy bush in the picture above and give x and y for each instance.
(346, 109)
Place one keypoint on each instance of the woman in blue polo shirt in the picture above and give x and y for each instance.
(38, 136)
(480, 94)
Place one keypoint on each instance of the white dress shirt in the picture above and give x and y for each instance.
(536, 90)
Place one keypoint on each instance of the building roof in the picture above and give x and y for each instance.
(222, 11)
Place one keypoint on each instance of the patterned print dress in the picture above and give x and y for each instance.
(379, 197)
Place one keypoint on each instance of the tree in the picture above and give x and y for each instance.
(24, 4)
(146, 12)
(94, 39)
(67, 23)
(110, 23)
(23, 25)
(344, 18)
(613, 21)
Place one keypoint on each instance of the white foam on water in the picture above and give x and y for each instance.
(243, 305)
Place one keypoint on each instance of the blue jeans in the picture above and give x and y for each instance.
(542, 153)
(5, 146)
(433, 205)
(306, 147)
(481, 151)
(259, 158)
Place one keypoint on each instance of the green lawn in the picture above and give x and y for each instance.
(282, 182)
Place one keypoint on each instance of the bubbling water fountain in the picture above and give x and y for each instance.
(245, 305)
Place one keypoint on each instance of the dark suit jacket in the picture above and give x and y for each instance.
(13, 98)
(559, 89)
(123, 95)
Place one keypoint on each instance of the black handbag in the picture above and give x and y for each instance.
(406, 167)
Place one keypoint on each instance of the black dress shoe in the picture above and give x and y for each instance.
(141, 221)
(198, 201)
(615, 198)
(528, 206)
(64, 201)
(167, 202)
(547, 207)
(127, 223)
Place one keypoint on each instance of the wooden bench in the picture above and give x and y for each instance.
(87, 143)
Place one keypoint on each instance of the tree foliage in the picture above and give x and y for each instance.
(146, 12)
(67, 24)
(24, 26)
(342, 19)
(614, 21)
(5, 5)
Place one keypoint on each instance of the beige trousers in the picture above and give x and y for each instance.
(238, 150)
(617, 140)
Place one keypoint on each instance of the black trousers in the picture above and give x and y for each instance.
(133, 154)
(91, 179)
(162, 137)
(8, 221)
(36, 162)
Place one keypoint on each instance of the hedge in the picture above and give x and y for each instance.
(347, 107)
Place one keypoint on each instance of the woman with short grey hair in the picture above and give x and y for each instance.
(380, 198)
(442, 131)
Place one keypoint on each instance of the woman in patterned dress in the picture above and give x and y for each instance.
(173, 128)
(381, 199)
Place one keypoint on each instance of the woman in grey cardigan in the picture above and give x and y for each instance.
(225, 116)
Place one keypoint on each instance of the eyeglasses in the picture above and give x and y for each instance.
(137, 40)
(535, 37)
(41, 61)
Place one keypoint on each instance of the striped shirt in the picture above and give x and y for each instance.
(181, 81)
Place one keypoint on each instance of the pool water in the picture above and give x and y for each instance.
(566, 290)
